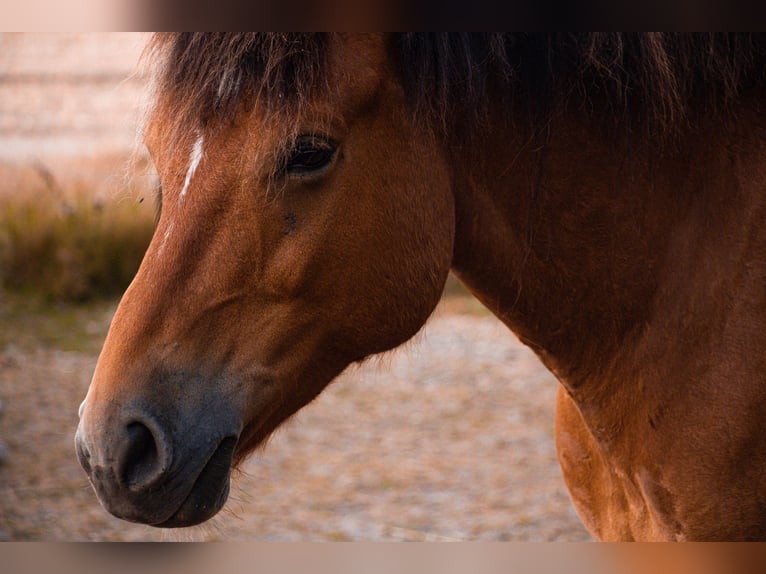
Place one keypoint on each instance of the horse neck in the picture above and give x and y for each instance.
(577, 244)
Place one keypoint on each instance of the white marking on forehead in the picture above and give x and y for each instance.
(194, 159)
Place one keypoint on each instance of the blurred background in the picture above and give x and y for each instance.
(448, 438)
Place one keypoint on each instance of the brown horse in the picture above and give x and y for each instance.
(604, 195)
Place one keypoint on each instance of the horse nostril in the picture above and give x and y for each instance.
(140, 459)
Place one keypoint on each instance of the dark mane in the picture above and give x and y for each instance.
(647, 83)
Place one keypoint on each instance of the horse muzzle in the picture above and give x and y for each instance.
(164, 468)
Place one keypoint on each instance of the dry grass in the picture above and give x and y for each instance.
(73, 233)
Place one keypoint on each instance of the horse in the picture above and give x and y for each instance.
(602, 194)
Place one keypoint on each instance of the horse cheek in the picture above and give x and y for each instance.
(411, 254)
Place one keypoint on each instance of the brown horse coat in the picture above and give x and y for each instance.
(602, 194)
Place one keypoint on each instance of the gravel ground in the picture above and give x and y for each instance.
(448, 438)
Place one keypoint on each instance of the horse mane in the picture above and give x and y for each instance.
(653, 84)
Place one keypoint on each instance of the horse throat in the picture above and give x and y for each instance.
(556, 242)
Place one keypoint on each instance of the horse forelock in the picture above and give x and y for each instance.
(643, 83)
(207, 77)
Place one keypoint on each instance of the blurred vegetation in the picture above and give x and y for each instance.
(70, 239)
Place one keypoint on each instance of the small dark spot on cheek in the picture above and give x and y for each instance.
(292, 223)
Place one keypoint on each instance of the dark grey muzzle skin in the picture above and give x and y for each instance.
(165, 460)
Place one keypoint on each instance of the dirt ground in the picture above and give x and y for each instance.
(449, 438)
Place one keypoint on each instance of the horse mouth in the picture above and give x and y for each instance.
(210, 489)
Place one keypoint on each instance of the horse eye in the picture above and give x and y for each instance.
(310, 155)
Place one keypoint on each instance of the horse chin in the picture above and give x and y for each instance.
(209, 492)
